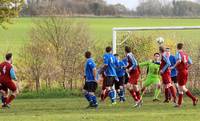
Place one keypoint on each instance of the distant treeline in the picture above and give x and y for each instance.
(101, 8)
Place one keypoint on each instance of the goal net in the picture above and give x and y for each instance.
(142, 41)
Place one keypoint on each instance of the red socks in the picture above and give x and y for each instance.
(173, 93)
(188, 93)
(133, 93)
(10, 99)
(138, 95)
(180, 98)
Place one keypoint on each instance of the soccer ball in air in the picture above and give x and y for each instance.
(160, 40)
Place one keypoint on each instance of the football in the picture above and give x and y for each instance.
(160, 40)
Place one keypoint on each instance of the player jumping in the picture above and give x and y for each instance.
(6, 80)
(166, 76)
(90, 81)
(153, 76)
(134, 73)
(182, 65)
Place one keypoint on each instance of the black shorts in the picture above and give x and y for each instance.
(120, 82)
(90, 86)
(174, 79)
(126, 79)
(110, 80)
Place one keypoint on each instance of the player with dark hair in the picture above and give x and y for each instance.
(119, 84)
(110, 63)
(6, 80)
(182, 65)
(153, 75)
(134, 74)
(90, 81)
(166, 75)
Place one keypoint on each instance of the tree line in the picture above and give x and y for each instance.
(101, 8)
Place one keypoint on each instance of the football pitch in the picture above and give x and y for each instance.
(17, 33)
(73, 109)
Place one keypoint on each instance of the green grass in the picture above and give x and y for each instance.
(73, 109)
(101, 28)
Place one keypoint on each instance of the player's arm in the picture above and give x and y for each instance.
(133, 61)
(178, 60)
(189, 62)
(93, 67)
(167, 65)
(144, 64)
(12, 74)
(105, 62)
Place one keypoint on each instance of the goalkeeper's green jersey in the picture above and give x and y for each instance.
(152, 68)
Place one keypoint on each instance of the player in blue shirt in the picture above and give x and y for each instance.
(119, 84)
(90, 81)
(110, 63)
(172, 59)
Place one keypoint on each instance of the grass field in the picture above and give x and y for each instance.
(101, 28)
(74, 110)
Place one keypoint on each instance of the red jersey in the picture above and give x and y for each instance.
(163, 64)
(183, 65)
(5, 68)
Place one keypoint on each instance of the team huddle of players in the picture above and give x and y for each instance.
(118, 74)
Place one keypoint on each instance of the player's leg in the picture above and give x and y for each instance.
(157, 91)
(172, 91)
(146, 84)
(174, 79)
(132, 91)
(11, 86)
(92, 90)
(104, 92)
(111, 91)
(117, 87)
(87, 94)
(121, 88)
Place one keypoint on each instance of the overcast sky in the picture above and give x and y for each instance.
(131, 4)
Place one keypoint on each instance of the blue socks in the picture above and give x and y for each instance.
(91, 99)
(112, 95)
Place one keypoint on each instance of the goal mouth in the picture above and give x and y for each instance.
(129, 29)
(144, 42)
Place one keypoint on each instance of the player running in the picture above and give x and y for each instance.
(182, 65)
(119, 85)
(153, 75)
(166, 76)
(134, 73)
(110, 63)
(90, 81)
(6, 80)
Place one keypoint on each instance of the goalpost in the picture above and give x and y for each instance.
(129, 29)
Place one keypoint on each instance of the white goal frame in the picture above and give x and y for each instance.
(128, 29)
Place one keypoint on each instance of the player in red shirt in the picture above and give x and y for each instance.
(134, 72)
(182, 65)
(6, 80)
(166, 75)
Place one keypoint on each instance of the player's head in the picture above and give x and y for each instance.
(179, 46)
(8, 57)
(168, 51)
(162, 49)
(108, 49)
(117, 56)
(127, 49)
(88, 54)
(156, 56)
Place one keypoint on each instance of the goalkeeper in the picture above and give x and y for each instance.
(153, 75)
